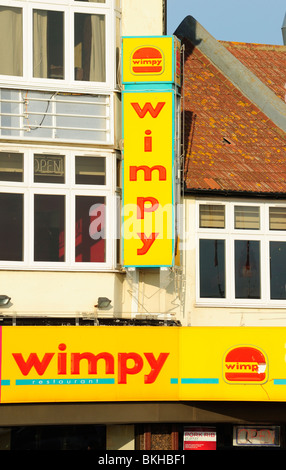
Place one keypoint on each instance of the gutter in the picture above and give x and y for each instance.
(230, 193)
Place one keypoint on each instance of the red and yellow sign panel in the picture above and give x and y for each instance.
(151, 59)
(80, 364)
(66, 364)
(151, 73)
(148, 224)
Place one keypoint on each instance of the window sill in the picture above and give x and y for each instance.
(249, 305)
(62, 269)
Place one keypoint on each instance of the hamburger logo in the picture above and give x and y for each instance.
(245, 364)
(148, 60)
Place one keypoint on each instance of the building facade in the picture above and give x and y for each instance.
(234, 193)
(172, 342)
(61, 193)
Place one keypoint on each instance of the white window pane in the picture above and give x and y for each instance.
(212, 216)
(247, 217)
(11, 41)
(277, 218)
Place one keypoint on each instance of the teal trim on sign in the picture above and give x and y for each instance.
(279, 381)
(199, 381)
(174, 381)
(194, 381)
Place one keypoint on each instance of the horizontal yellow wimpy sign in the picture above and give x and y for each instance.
(67, 364)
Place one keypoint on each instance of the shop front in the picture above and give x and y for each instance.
(142, 388)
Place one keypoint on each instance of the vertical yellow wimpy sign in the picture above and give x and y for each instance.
(148, 120)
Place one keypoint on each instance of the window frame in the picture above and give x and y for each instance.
(70, 190)
(264, 235)
(69, 7)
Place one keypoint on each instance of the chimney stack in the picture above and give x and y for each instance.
(284, 31)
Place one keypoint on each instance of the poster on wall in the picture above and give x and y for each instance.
(200, 438)
(256, 436)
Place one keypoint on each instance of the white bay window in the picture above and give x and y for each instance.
(68, 42)
(241, 256)
(57, 209)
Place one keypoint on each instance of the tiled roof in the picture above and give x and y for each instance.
(267, 62)
(230, 144)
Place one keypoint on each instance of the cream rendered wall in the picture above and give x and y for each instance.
(217, 316)
(142, 18)
(63, 294)
(154, 293)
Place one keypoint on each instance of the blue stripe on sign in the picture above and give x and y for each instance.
(279, 382)
(65, 382)
(174, 381)
(5, 382)
(199, 381)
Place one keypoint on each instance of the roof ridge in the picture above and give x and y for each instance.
(238, 74)
(254, 45)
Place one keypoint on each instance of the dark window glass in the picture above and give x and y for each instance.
(90, 229)
(49, 228)
(278, 270)
(11, 166)
(82, 437)
(90, 170)
(11, 233)
(212, 268)
(49, 168)
(247, 269)
(89, 47)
